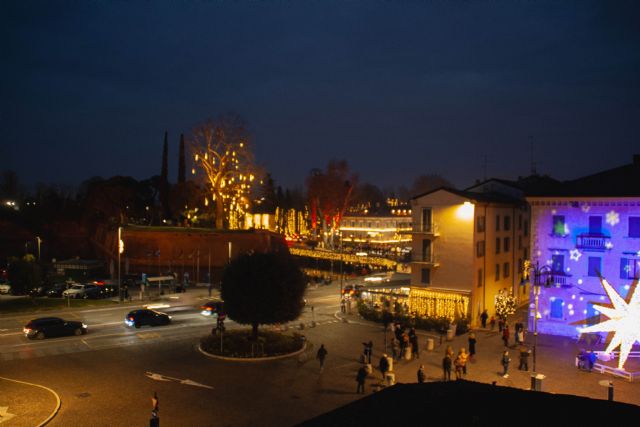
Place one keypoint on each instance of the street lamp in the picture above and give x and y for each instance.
(120, 251)
(537, 272)
(39, 242)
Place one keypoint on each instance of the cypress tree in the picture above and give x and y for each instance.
(181, 173)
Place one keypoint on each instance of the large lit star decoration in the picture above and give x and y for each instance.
(613, 218)
(575, 254)
(624, 321)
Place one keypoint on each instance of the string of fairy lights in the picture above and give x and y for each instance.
(430, 303)
(348, 258)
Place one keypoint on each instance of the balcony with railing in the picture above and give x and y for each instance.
(429, 229)
(426, 259)
(593, 242)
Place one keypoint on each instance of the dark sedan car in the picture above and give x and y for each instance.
(145, 316)
(212, 307)
(56, 290)
(47, 327)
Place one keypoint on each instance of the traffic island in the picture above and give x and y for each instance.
(25, 403)
(239, 345)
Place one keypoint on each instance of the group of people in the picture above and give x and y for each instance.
(404, 342)
(503, 328)
(586, 359)
(459, 363)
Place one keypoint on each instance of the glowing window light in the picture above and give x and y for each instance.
(465, 211)
(624, 318)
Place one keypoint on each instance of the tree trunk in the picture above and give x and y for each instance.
(254, 332)
(219, 212)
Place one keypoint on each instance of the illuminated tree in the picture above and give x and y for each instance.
(505, 304)
(329, 193)
(220, 149)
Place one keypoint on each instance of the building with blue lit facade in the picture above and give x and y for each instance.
(581, 230)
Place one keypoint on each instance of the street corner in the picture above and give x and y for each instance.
(26, 404)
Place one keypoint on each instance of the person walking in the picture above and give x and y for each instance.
(415, 348)
(472, 345)
(505, 363)
(384, 366)
(369, 351)
(446, 367)
(360, 378)
(524, 358)
(458, 364)
(505, 335)
(520, 335)
(395, 349)
(464, 356)
(343, 306)
(421, 375)
(321, 355)
(483, 318)
(500, 324)
(155, 417)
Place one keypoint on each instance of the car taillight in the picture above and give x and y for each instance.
(27, 330)
(131, 319)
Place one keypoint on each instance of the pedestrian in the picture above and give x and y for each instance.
(505, 335)
(415, 348)
(405, 344)
(458, 366)
(395, 349)
(500, 324)
(464, 356)
(126, 293)
(321, 355)
(360, 378)
(492, 323)
(483, 318)
(524, 358)
(520, 335)
(155, 409)
(343, 308)
(472, 345)
(421, 375)
(384, 366)
(446, 367)
(370, 350)
(505, 363)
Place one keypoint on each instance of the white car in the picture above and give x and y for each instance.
(5, 288)
(78, 291)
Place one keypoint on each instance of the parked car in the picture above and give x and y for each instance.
(5, 288)
(39, 291)
(47, 327)
(211, 308)
(142, 317)
(56, 290)
(81, 291)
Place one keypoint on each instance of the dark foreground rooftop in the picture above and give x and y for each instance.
(467, 403)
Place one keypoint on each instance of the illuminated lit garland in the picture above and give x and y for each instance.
(429, 303)
(505, 304)
(350, 258)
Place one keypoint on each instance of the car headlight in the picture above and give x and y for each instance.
(84, 326)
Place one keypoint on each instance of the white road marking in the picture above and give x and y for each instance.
(160, 377)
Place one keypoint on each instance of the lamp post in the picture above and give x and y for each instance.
(120, 251)
(39, 242)
(537, 272)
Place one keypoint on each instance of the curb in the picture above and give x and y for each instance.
(253, 359)
(58, 403)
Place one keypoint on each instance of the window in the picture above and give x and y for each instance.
(497, 222)
(634, 226)
(556, 308)
(595, 225)
(595, 263)
(425, 276)
(505, 270)
(480, 277)
(558, 225)
(526, 228)
(426, 250)
(593, 315)
(480, 224)
(480, 249)
(629, 268)
(519, 221)
(426, 219)
(497, 272)
(507, 244)
(557, 263)
(497, 245)
(507, 223)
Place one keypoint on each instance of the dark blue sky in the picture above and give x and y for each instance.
(398, 89)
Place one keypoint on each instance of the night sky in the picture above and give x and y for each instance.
(398, 89)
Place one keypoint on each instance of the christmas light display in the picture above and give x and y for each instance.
(575, 254)
(624, 321)
(505, 304)
(349, 258)
(430, 303)
(613, 218)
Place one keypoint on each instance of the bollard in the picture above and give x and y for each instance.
(611, 390)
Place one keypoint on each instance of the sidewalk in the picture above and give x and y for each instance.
(555, 360)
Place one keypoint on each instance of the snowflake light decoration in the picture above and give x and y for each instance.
(608, 245)
(613, 218)
(585, 208)
(575, 254)
(624, 321)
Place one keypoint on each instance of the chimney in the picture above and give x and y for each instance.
(636, 159)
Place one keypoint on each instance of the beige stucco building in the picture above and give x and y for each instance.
(467, 246)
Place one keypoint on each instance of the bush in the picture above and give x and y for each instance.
(239, 344)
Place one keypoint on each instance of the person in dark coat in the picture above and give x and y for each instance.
(360, 377)
(505, 363)
(421, 375)
(384, 366)
(505, 335)
(483, 318)
(321, 355)
(415, 349)
(472, 345)
(524, 358)
(446, 367)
